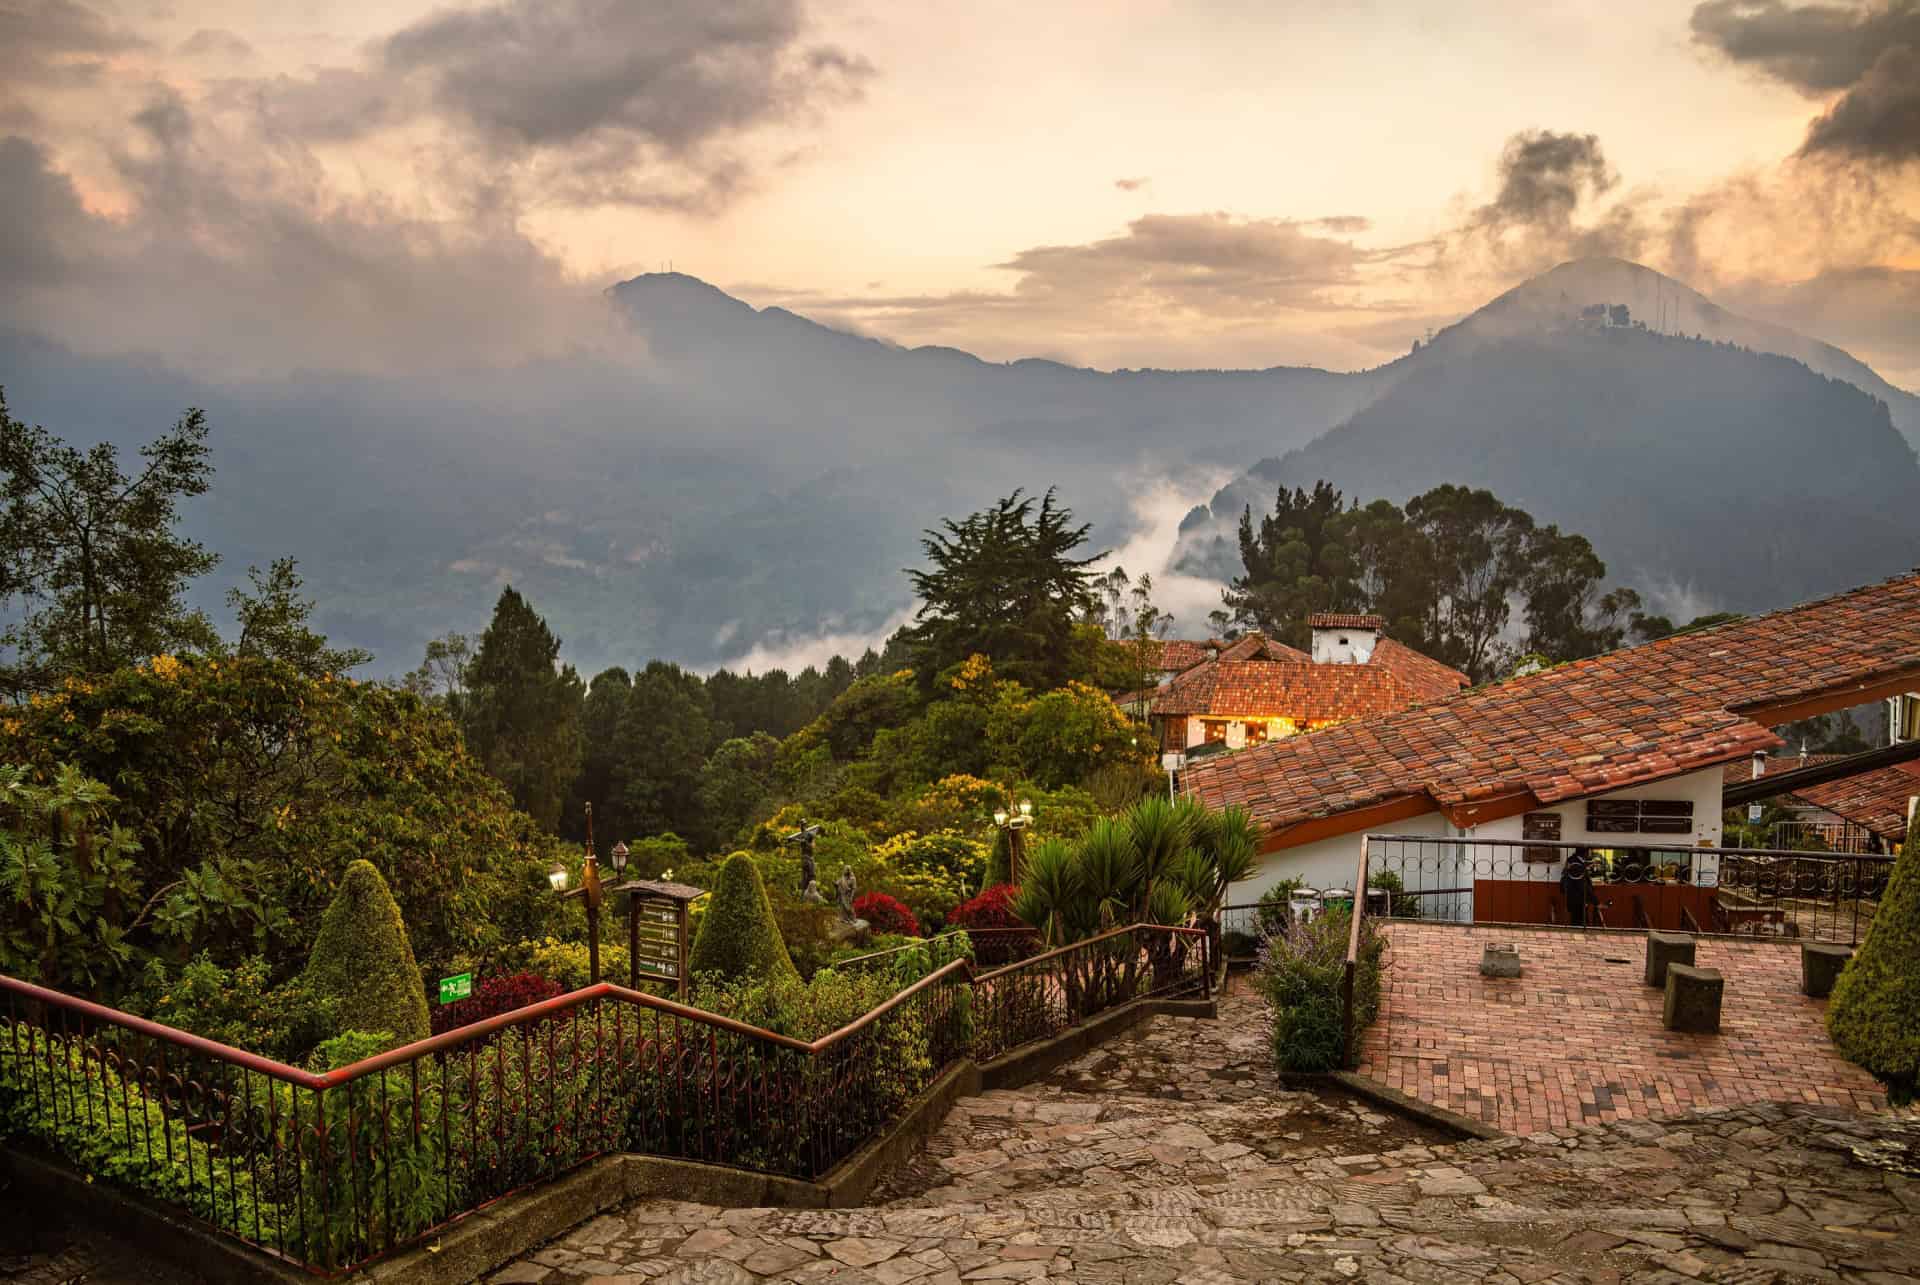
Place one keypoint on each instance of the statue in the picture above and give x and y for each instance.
(844, 889)
(803, 839)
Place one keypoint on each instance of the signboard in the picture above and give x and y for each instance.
(1173, 762)
(1544, 827)
(456, 987)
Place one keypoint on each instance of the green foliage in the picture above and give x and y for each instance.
(240, 1006)
(1002, 583)
(739, 939)
(250, 786)
(1874, 1016)
(1443, 572)
(522, 712)
(1299, 975)
(1063, 736)
(1274, 914)
(737, 786)
(92, 554)
(273, 620)
(361, 960)
(566, 962)
(661, 743)
(66, 873)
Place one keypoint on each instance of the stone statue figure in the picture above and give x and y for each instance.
(843, 888)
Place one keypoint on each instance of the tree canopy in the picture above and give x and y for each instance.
(1004, 583)
(522, 715)
(92, 553)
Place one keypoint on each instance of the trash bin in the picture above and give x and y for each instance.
(1304, 905)
(1337, 899)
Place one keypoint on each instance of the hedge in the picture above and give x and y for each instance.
(363, 961)
(739, 938)
(1874, 1016)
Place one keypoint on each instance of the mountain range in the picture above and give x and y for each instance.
(718, 477)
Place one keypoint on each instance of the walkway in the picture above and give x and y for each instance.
(1578, 1039)
(1172, 1157)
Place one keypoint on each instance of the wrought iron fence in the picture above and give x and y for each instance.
(1708, 890)
(330, 1170)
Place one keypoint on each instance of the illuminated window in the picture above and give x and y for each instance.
(1256, 733)
(1216, 729)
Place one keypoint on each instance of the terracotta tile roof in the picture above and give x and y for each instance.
(1875, 800)
(1423, 676)
(1344, 620)
(1736, 773)
(1182, 654)
(1259, 679)
(1631, 716)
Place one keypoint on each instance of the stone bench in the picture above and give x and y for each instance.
(1820, 966)
(1664, 949)
(1693, 999)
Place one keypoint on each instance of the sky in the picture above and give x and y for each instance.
(241, 187)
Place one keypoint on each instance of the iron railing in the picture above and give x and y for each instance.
(332, 1169)
(1706, 890)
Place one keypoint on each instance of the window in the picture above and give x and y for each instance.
(1640, 816)
(1256, 733)
(1216, 729)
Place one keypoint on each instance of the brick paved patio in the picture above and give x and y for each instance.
(1577, 1039)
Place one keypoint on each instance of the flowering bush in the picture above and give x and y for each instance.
(885, 914)
(494, 996)
(993, 908)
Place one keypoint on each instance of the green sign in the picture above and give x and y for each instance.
(458, 987)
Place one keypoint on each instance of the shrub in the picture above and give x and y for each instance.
(361, 960)
(1299, 975)
(885, 914)
(238, 1007)
(993, 908)
(494, 996)
(1874, 1016)
(565, 963)
(1399, 906)
(738, 936)
(1274, 914)
(1239, 945)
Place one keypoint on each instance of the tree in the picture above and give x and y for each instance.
(1478, 551)
(1003, 583)
(739, 938)
(1874, 1016)
(1295, 565)
(736, 787)
(362, 961)
(1567, 616)
(522, 716)
(442, 676)
(92, 554)
(273, 623)
(665, 736)
(600, 782)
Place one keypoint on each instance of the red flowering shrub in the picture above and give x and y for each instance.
(492, 997)
(885, 914)
(993, 908)
(998, 936)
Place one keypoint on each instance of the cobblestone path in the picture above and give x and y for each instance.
(1172, 1157)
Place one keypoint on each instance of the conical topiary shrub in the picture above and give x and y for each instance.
(363, 960)
(1874, 1016)
(739, 938)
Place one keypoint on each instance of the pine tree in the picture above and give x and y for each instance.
(1003, 584)
(522, 710)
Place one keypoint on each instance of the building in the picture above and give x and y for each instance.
(1256, 690)
(1864, 812)
(1598, 751)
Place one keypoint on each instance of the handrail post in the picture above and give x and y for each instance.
(1346, 1015)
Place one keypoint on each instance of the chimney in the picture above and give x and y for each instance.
(1342, 638)
(1759, 764)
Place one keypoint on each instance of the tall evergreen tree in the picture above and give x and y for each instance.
(91, 555)
(665, 735)
(601, 781)
(1004, 583)
(522, 716)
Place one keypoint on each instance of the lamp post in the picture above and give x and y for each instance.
(591, 890)
(1013, 823)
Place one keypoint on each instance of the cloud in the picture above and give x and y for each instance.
(1539, 216)
(233, 260)
(585, 102)
(793, 652)
(215, 44)
(1869, 54)
(51, 44)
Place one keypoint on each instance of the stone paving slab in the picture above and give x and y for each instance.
(1578, 1037)
(1121, 1170)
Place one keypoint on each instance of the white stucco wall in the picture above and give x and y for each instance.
(1343, 646)
(1330, 863)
